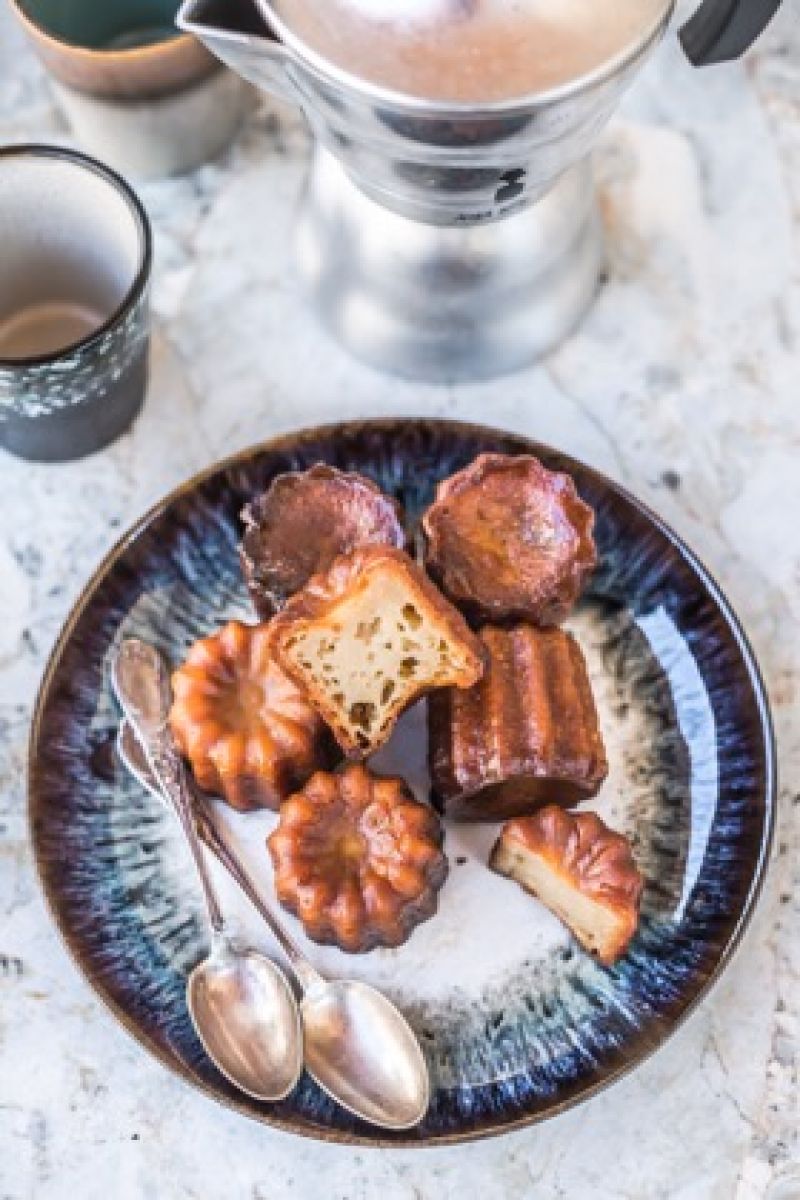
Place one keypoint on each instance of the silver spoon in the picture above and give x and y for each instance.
(358, 1047)
(240, 1002)
(386, 1086)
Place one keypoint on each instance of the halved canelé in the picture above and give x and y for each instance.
(368, 638)
(581, 870)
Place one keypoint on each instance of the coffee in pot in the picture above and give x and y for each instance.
(469, 51)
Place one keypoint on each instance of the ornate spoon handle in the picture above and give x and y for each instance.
(141, 681)
(170, 775)
(133, 756)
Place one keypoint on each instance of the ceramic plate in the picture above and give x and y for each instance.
(516, 1022)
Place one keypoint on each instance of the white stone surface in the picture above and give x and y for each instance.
(683, 384)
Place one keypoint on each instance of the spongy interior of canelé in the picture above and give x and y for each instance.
(372, 651)
(595, 926)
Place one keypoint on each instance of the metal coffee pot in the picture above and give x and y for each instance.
(446, 241)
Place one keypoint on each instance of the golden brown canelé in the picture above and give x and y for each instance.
(248, 732)
(509, 540)
(357, 859)
(303, 522)
(368, 638)
(581, 870)
(525, 735)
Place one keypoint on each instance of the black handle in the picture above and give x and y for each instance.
(722, 30)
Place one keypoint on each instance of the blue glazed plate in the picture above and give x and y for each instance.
(516, 1022)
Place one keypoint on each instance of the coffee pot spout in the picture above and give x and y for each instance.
(236, 33)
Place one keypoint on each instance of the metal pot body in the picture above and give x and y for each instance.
(438, 242)
(445, 165)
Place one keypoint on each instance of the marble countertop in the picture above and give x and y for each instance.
(683, 384)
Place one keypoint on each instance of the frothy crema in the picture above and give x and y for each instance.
(470, 50)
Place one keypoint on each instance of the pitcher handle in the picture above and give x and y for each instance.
(722, 30)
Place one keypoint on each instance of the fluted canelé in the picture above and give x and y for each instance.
(249, 733)
(303, 522)
(509, 540)
(525, 735)
(358, 859)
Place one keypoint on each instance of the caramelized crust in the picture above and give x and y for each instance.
(509, 540)
(303, 522)
(367, 639)
(581, 870)
(525, 735)
(248, 732)
(358, 860)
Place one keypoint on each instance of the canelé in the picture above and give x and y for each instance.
(303, 522)
(368, 638)
(508, 540)
(357, 859)
(581, 870)
(525, 735)
(247, 730)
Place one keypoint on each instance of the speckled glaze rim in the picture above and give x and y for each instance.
(292, 441)
(142, 277)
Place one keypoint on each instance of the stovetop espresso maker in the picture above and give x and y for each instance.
(449, 239)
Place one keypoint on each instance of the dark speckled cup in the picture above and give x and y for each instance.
(74, 305)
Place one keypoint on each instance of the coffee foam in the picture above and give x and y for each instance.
(471, 50)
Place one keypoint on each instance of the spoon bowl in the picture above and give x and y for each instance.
(246, 1016)
(364, 1054)
(357, 1045)
(240, 1003)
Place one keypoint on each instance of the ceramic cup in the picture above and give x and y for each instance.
(74, 313)
(138, 94)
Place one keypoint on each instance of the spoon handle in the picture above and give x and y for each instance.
(140, 678)
(217, 841)
(170, 774)
(132, 754)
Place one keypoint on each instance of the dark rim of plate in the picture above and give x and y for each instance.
(526, 445)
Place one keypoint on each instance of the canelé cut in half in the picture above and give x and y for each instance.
(367, 639)
(303, 522)
(508, 540)
(525, 735)
(357, 859)
(248, 732)
(581, 870)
